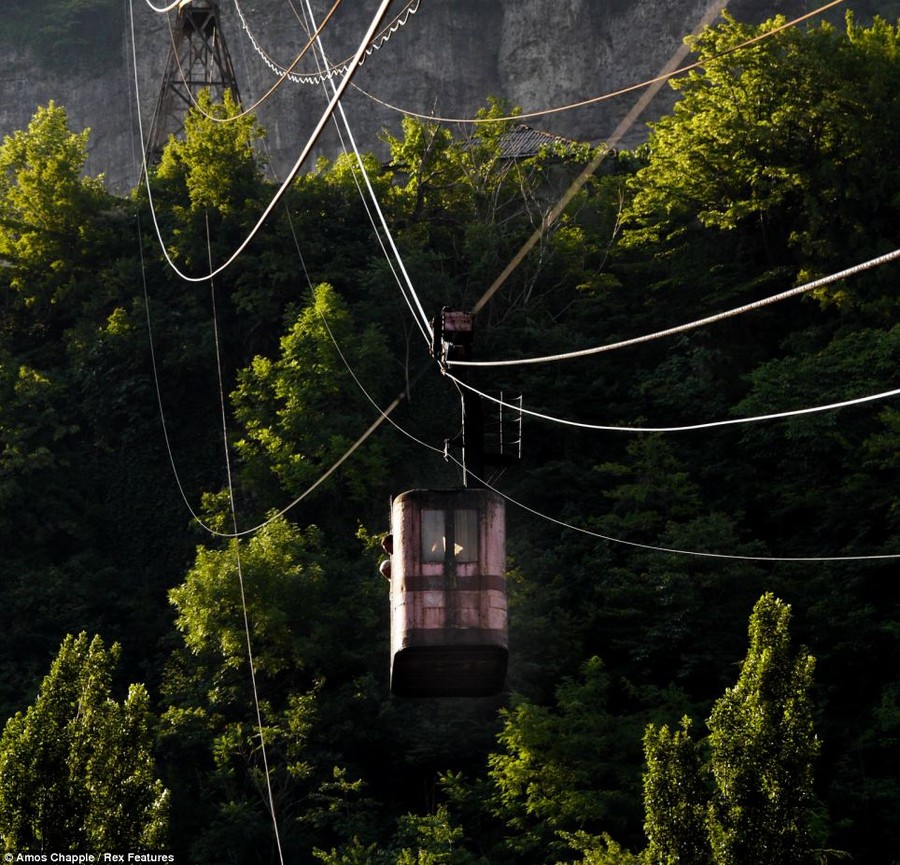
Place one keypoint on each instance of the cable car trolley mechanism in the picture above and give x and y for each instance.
(447, 567)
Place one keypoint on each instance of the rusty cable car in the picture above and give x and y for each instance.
(448, 593)
(447, 565)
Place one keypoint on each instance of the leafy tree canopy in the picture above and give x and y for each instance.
(76, 768)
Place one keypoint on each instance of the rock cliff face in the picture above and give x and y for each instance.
(448, 58)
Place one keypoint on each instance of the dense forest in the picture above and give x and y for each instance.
(704, 616)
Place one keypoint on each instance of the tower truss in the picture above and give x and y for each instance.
(198, 59)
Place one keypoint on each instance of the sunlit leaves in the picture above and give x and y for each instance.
(746, 796)
(762, 749)
(76, 768)
(303, 410)
(564, 768)
(675, 797)
(215, 161)
(277, 575)
(790, 139)
(43, 194)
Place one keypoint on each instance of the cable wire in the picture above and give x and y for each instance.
(609, 538)
(687, 427)
(339, 90)
(384, 414)
(676, 550)
(691, 325)
(238, 564)
(198, 519)
(326, 474)
(168, 8)
(410, 293)
(659, 79)
(400, 20)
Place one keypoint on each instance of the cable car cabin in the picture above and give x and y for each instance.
(448, 593)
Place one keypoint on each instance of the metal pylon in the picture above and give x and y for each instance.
(198, 59)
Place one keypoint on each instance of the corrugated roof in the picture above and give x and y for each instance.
(522, 141)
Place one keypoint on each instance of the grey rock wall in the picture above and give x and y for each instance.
(450, 56)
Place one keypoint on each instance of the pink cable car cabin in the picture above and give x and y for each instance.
(448, 593)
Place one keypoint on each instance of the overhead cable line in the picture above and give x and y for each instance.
(687, 427)
(400, 20)
(677, 550)
(691, 325)
(249, 110)
(174, 5)
(240, 533)
(198, 519)
(712, 10)
(401, 397)
(158, 388)
(238, 564)
(423, 323)
(410, 293)
(609, 538)
(339, 90)
(385, 414)
(658, 80)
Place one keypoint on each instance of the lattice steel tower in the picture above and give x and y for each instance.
(198, 59)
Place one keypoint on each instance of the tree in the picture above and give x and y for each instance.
(76, 769)
(791, 135)
(281, 568)
(215, 161)
(565, 769)
(310, 682)
(750, 801)
(675, 798)
(762, 747)
(208, 185)
(841, 452)
(301, 411)
(44, 205)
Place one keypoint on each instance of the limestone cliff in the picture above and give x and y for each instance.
(447, 59)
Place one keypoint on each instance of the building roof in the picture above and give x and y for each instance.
(522, 141)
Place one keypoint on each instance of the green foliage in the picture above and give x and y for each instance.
(470, 206)
(76, 768)
(294, 429)
(762, 748)
(431, 840)
(676, 801)
(600, 850)
(43, 203)
(751, 800)
(307, 677)
(761, 130)
(215, 162)
(566, 768)
(777, 165)
(277, 573)
(805, 456)
(208, 186)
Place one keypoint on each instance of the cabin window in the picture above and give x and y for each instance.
(455, 530)
(434, 535)
(465, 539)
